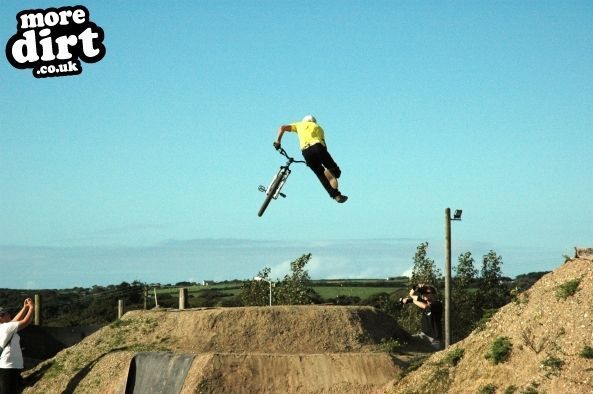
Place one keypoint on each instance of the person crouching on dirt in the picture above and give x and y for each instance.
(314, 149)
(425, 298)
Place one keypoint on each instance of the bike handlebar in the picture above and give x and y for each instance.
(290, 159)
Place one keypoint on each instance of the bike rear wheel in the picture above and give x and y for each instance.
(270, 192)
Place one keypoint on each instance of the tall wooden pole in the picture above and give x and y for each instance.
(447, 277)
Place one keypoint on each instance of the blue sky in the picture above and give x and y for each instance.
(146, 165)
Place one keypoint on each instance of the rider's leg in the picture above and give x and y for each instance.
(333, 181)
(332, 171)
(313, 161)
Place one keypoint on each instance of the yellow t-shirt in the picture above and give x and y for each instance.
(309, 133)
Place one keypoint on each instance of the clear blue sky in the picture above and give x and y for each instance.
(146, 166)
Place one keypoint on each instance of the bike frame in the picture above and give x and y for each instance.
(275, 187)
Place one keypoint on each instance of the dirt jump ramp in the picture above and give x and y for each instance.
(280, 349)
(157, 372)
(291, 373)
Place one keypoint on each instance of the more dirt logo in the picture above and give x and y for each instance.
(53, 41)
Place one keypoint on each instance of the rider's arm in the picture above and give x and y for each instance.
(281, 131)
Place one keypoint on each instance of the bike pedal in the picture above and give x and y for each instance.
(282, 194)
(261, 189)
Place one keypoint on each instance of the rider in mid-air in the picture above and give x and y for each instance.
(312, 143)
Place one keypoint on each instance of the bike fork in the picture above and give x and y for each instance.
(283, 174)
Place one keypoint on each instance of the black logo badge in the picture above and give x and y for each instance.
(53, 41)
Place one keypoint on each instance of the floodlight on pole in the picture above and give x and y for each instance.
(259, 279)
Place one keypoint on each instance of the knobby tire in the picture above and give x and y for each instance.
(272, 191)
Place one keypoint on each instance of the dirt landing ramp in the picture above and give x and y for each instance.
(290, 373)
(280, 349)
(157, 372)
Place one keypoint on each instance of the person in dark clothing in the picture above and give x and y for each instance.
(425, 298)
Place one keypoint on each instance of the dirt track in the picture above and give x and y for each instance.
(325, 349)
(310, 349)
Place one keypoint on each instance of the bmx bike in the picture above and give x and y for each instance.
(275, 187)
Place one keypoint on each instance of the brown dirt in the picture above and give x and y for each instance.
(325, 349)
(547, 334)
(253, 349)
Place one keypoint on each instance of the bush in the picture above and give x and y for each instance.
(587, 352)
(390, 345)
(511, 389)
(487, 389)
(531, 389)
(454, 356)
(500, 350)
(553, 365)
(567, 289)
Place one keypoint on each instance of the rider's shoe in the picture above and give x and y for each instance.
(341, 198)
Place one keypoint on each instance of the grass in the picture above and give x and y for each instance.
(413, 365)
(328, 292)
(454, 356)
(531, 389)
(552, 365)
(567, 289)
(487, 389)
(587, 352)
(390, 345)
(55, 368)
(500, 350)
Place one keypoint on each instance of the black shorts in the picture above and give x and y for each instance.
(10, 380)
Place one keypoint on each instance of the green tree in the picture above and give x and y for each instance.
(465, 273)
(294, 288)
(424, 270)
(256, 292)
(492, 293)
(465, 311)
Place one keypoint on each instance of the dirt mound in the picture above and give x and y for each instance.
(291, 373)
(253, 349)
(285, 329)
(548, 327)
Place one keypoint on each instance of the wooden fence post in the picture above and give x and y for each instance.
(37, 321)
(183, 298)
(120, 309)
(145, 297)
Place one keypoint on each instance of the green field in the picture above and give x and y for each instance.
(327, 289)
(328, 292)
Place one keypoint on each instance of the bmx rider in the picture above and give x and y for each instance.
(314, 150)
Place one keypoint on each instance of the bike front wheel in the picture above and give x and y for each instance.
(270, 192)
